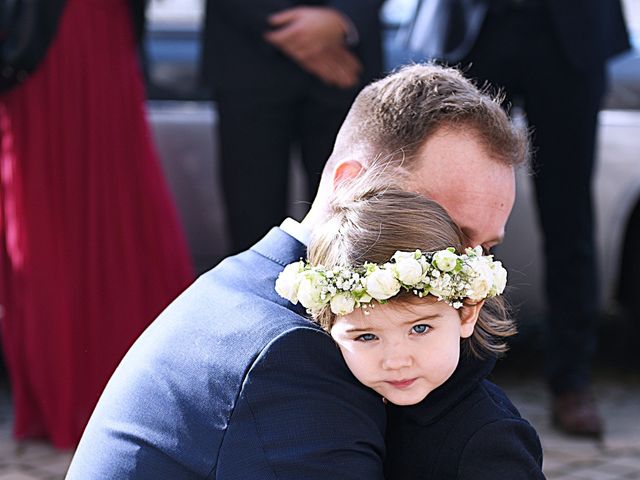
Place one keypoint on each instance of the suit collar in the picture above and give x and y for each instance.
(280, 247)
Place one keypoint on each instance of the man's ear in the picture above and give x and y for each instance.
(469, 313)
(347, 170)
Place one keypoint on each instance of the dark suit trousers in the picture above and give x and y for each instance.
(518, 50)
(258, 129)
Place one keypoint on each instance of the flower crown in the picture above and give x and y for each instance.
(444, 274)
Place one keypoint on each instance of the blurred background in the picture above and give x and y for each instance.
(184, 120)
(184, 123)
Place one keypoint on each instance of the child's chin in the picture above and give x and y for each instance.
(405, 401)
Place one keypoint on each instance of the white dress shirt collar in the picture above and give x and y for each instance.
(296, 230)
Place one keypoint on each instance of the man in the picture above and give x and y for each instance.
(230, 382)
(283, 73)
(549, 56)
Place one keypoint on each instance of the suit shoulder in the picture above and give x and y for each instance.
(290, 417)
(306, 353)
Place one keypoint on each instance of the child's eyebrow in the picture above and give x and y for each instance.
(435, 316)
(358, 330)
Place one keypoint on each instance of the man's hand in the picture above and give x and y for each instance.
(304, 31)
(314, 38)
(335, 66)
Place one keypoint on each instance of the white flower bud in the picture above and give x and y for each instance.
(310, 293)
(445, 260)
(342, 304)
(482, 280)
(382, 284)
(499, 278)
(407, 269)
(365, 298)
(474, 252)
(289, 280)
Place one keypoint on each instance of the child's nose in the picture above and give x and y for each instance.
(395, 358)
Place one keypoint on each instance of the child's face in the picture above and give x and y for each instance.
(404, 350)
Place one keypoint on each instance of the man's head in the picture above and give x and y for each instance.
(444, 137)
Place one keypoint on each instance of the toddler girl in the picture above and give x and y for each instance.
(419, 320)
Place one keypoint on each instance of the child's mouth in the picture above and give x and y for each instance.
(402, 383)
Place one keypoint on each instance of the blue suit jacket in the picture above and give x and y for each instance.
(231, 383)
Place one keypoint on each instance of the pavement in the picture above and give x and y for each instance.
(565, 458)
(616, 457)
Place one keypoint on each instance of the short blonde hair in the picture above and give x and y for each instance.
(369, 222)
(393, 117)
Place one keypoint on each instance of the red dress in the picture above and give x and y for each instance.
(91, 246)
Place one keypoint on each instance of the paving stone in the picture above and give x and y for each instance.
(15, 474)
(568, 476)
(56, 466)
(620, 470)
(596, 474)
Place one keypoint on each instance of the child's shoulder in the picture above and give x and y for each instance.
(498, 401)
(488, 430)
(485, 404)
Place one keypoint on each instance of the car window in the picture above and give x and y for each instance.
(171, 50)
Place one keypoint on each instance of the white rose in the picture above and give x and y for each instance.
(499, 277)
(382, 284)
(481, 281)
(309, 293)
(342, 304)
(289, 280)
(445, 260)
(407, 268)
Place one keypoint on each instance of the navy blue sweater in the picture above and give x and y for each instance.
(465, 429)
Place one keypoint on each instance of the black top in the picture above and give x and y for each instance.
(27, 30)
(465, 429)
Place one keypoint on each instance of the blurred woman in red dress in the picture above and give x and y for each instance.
(92, 249)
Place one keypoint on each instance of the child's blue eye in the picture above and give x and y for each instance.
(366, 337)
(419, 329)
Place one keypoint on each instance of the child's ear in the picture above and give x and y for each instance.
(468, 317)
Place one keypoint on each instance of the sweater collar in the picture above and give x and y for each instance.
(469, 373)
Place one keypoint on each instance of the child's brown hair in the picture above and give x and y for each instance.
(370, 224)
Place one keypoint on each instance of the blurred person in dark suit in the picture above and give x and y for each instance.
(283, 72)
(550, 55)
